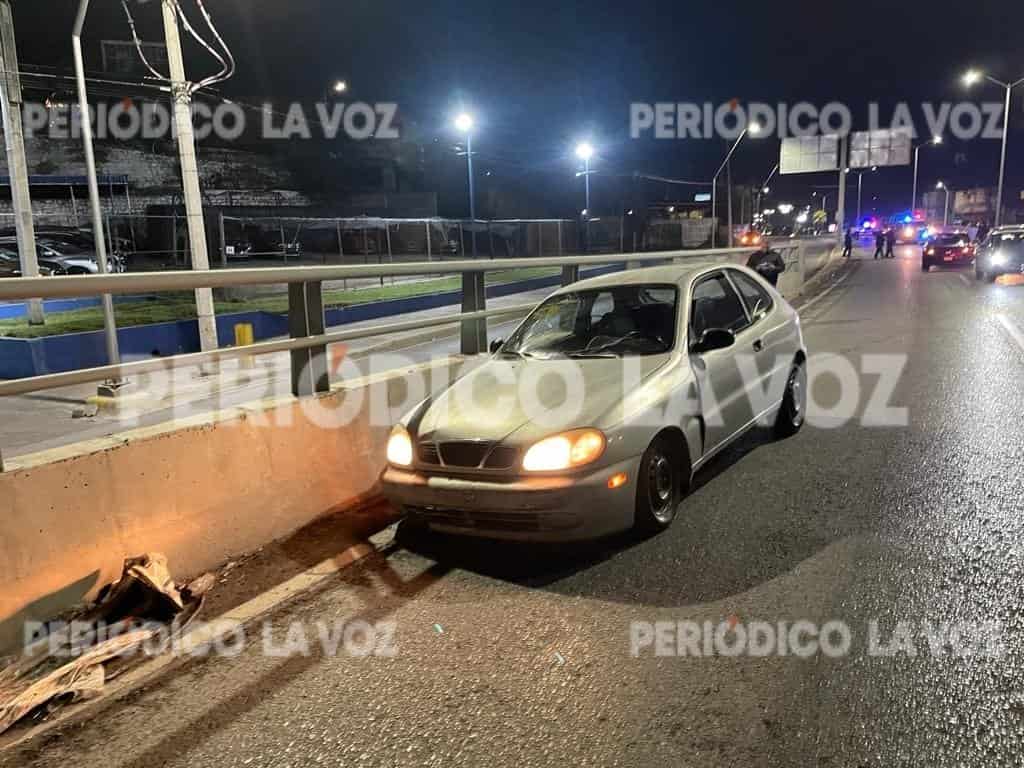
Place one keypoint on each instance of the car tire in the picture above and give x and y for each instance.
(793, 411)
(659, 486)
(925, 266)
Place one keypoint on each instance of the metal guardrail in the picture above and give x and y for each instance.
(308, 336)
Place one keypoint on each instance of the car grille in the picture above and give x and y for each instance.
(467, 455)
(463, 454)
(502, 458)
(428, 453)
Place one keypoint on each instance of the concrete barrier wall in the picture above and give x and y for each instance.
(199, 491)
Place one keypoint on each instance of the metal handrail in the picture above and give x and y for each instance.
(143, 282)
(91, 285)
(191, 360)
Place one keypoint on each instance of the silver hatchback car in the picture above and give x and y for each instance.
(593, 416)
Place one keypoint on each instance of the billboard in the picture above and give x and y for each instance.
(884, 147)
(810, 154)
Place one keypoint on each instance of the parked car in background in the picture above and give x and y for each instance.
(57, 255)
(238, 249)
(1001, 253)
(951, 249)
(10, 265)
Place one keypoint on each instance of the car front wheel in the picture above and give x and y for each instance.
(925, 266)
(793, 411)
(659, 487)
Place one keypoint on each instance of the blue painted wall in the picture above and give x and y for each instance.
(11, 311)
(20, 358)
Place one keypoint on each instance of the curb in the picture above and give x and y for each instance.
(210, 631)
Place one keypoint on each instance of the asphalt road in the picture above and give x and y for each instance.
(521, 656)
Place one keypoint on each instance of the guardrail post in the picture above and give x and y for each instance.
(570, 274)
(474, 299)
(306, 318)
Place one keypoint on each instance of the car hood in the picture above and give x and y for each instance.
(527, 400)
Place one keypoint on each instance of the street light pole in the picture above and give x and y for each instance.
(474, 297)
(472, 191)
(752, 128)
(1002, 155)
(109, 324)
(917, 152)
(945, 209)
(970, 78)
(586, 174)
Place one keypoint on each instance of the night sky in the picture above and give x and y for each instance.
(540, 75)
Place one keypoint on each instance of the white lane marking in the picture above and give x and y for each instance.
(827, 291)
(1011, 329)
(964, 279)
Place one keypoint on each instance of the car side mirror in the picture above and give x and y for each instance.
(712, 339)
(496, 346)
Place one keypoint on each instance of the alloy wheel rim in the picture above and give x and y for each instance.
(797, 396)
(661, 488)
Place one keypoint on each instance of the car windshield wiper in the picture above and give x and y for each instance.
(517, 353)
(595, 354)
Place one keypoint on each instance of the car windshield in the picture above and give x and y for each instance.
(67, 249)
(614, 321)
(1011, 242)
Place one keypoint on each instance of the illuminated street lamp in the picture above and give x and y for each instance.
(339, 87)
(972, 77)
(935, 140)
(585, 151)
(945, 208)
(753, 129)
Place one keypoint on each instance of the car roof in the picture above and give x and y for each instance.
(1008, 228)
(678, 274)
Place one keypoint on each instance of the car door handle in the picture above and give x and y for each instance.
(759, 345)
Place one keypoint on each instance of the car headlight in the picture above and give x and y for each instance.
(997, 259)
(400, 447)
(565, 451)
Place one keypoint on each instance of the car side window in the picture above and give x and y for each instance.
(758, 302)
(715, 304)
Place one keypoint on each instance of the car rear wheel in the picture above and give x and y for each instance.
(793, 411)
(925, 266)
(659, 486)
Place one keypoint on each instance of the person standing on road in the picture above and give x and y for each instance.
(767, 263)
(972, 232)
(879, 244)
(890, 244)
(848, 243)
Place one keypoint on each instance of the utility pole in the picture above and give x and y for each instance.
(10, 101)
(189, 175)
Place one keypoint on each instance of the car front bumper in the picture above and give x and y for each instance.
(542, 508)
(1008, 268)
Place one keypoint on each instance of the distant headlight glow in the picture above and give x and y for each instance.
(400, 447)
(998, 259)
(566, 451)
